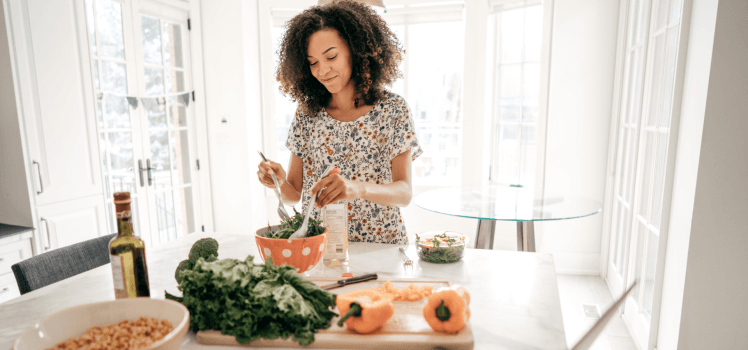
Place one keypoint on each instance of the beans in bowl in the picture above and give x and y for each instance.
(125, 335)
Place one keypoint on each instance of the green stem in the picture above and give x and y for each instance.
(442, 313)
(354, 311)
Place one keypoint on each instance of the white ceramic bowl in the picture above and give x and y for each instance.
(75, 321)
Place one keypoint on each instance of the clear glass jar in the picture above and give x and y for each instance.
(441, 246)
(335, 217)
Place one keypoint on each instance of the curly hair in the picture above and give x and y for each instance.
(375, 53)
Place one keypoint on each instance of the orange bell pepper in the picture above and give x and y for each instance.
(447, 309)
(364, 311)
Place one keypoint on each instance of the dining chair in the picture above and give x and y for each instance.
(59, 264)
(586, 341)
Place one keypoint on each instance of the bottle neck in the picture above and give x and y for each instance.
(124, 224)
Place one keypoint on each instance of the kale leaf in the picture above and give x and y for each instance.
(252, 301)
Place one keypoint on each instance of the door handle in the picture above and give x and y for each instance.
(49, 238)
(39, 172)
(140, 171)
(148, 167)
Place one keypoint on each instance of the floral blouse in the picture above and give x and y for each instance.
(363, 150)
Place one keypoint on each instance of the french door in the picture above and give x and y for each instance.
(140, 52)
(653, 34)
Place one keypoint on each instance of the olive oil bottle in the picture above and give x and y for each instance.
(127, 254)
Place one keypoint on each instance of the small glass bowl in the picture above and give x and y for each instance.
(441, 246)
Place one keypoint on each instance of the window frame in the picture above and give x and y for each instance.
(496, 8)
(613, 166)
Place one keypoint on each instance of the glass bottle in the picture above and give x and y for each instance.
(127, 254)
(336, 220)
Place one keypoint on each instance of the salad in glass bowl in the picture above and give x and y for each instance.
(441, 246)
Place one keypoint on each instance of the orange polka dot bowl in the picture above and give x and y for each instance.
(301, 253)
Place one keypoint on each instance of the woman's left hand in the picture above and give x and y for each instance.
(334, 188)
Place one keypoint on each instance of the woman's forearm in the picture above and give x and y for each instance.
(290, 195)
(395, 194)
(291, 185)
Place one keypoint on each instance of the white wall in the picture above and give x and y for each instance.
(714, 310)
(231, 63)
(583, 54)
(15, 205)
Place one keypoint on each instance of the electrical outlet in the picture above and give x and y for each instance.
(590, 311)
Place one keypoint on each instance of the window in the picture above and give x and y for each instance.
(517, 29)
(434, 92)
(432, 85)
(140, 57)
(284, 108)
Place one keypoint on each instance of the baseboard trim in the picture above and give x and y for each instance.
(574, 263)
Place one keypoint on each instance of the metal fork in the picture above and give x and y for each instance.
(407, 261)
(281, 209)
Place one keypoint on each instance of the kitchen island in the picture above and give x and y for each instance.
(514, 295)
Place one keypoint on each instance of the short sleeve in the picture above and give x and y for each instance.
(403, 131)
(298, 134)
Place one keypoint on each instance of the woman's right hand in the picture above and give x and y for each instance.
(264, 169)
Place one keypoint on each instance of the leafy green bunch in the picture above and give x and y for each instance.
(252, 301)
(288, 226)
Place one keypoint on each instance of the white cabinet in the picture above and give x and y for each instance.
(12, 250)
(51, 127)
(61, 131)
(71, 222)
(8, 287)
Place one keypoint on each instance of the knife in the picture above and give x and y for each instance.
(347, 281)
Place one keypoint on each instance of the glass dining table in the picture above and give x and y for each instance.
(489, 204)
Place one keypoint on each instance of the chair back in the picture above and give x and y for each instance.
(61, 263)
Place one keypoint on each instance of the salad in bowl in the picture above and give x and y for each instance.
(441, 246)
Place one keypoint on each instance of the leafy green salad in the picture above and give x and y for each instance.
(440, 248)
(251, 301)
(288, 226)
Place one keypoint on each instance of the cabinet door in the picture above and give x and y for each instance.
(71, 222)
(61, 122)
(14, 249)
(8, 287)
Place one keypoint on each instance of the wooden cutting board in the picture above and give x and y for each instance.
(406, 329)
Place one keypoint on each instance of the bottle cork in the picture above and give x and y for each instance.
(121, 201)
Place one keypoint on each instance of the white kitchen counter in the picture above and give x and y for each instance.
(514, 295)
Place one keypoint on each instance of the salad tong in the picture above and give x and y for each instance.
(281, 209)
(302, 231)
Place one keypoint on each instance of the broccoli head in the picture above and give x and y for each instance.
(184, 265)
(206, 248)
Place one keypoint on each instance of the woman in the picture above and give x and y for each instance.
(334, 60)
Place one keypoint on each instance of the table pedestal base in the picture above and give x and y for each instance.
(525, 235)
(484, 234)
